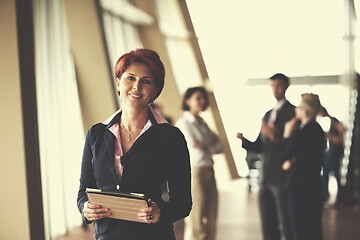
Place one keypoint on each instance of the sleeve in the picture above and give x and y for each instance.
(290, 146)
(178, 174)
(256, 146)
(87, 177)
(186, 131)
(215, 145)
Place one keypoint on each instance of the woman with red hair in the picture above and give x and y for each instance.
(135, 150)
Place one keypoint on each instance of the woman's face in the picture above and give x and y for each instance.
(137, 86)
(300, 112)
(196, 102)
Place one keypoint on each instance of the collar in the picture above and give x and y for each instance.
(189, 117)
(154, 117)
(157, 117)
(280, 103)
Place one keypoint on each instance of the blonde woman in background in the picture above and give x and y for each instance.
(304, 144)
(202, 144)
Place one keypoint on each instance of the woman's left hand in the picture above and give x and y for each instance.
(150, 214)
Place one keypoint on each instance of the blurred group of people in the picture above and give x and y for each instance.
(298, 154)
(295, 164)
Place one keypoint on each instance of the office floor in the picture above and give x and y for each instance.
(239, 217)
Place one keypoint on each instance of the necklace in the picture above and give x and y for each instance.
(129, 133)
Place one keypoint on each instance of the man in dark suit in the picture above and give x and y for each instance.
(272, 197)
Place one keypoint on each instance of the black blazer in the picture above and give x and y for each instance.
(271, 171)
(307, 146)
(303, 181)
(158, 154)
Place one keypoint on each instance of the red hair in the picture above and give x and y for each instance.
(145, 56)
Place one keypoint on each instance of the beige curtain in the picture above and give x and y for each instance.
(60, 125)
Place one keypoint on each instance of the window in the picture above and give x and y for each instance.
(120, 22)
(178, 44)
(242, 40)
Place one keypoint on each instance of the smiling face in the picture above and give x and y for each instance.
(137, 86)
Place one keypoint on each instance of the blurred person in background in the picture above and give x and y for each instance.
(304, 144)
(272, 197)
(335, 132)
(202, 144)
(134, 151)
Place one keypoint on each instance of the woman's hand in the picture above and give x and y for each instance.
(95, 212)
(150, 214)
(290, 126)
(287, 164)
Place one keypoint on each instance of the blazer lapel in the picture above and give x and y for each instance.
(109, 154)
(109, 138)
(109, 141)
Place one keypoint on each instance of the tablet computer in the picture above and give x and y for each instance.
(124, 206)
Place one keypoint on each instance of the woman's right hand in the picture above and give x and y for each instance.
(94, 212)
(290, 126)
(287, 164)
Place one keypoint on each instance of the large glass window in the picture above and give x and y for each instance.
(242, 40)
(178, 44)
(262, 37)
(120, 21)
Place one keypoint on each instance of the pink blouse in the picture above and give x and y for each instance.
(115, 129)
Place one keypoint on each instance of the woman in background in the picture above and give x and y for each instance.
(202, 144)
(334, 154)
(305, 143)
(134, 151)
